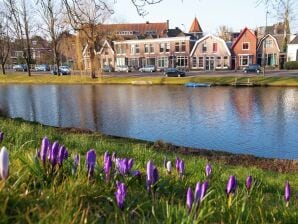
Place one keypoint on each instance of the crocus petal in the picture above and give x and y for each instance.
(169, 166)
(287, 191)
(1, 136)
(4, 163)
(198, 191)
(208, 170)
(248, 182)
(181, 167)
(204, 188)
(189, 199)
(54, 153)
(44, 149)
(231, 185)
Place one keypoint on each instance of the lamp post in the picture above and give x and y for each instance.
(184, 28)
(264, 46)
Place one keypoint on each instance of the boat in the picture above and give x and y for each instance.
(197, 84)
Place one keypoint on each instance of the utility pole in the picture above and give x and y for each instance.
(264, 46)
(185, 60)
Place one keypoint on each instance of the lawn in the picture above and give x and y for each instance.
(34, 193)
(77, 79)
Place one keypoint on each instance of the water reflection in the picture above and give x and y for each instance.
(259, 121)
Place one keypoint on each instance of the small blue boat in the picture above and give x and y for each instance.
(197, 84)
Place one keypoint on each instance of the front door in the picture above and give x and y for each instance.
(209, 63)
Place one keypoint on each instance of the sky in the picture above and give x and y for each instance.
(211, 14)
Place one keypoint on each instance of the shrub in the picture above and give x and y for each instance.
(291, 65)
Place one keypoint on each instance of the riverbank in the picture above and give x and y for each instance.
(31, 195)
(155, 80)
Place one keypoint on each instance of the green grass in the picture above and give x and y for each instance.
(77, 79)
(31, 195)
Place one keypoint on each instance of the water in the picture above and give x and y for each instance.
(258, 121)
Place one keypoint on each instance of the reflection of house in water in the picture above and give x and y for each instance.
(243, 102)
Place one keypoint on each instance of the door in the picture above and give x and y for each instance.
(209, 63)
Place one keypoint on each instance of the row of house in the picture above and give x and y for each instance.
(155, 44)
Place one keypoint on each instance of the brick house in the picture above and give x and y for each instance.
(244, 49)
(210, 53)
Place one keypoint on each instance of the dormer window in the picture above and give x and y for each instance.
(245, 46)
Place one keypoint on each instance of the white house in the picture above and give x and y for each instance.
(293, 49)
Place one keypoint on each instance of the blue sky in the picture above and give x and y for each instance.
(211, 14)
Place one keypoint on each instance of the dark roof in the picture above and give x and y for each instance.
(173, 32)
(195, 26)
(295, 40)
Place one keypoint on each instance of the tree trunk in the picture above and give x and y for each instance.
(3, 68)
(92, 60)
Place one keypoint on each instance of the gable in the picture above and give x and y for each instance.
(245, 36)
(268, 36)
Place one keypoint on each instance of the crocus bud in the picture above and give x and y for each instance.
(120, 194)
(231, 185)
(169, 166)
(1, 136)
(155, 175)
(61, 155)
(107, 166)
(4, 162)
(181, 167)
(177, 164)
(54, 153)
(90, 162)
(248, 182)
(198, 192)
(44, 149)
(287, 192)
(208, 170)
(149, 178)
(204, 188)
(189, 199)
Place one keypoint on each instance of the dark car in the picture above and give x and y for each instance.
(252, 68)
(174, 72)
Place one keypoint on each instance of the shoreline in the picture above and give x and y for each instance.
(258, 81)
(227, 158)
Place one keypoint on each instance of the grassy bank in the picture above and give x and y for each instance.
(222, 80)
(31, 194)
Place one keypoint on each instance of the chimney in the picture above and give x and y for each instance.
(147, 22)
(168, 24)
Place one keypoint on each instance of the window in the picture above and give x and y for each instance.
(194, 62)
(244, 60)
(147, 48)
(135, 49)
(167, 47)
(177, 47)
(163, 62)
(201, 62)
(183, 47)
(118, 49)
(182, 61)
(268, 43)
(214, 47)
(204, 48)
(226, 61)
(151, 48)
(245, 46)
(162, 47)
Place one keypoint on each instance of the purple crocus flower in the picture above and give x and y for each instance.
(4, 163)
(1, 136)
(54, 153)
(155, 175)
(120, 194)
(130, 164)
(61, 155)
(122, 166)
(208, 170)
(248, 182)
(177, 164)
(204, 188)
(106, 154)
(107, 166)
(149, 178)
(231, 185)
(44, 150)
(189, 199)
(287, 192)
(198, 192)
(181, 167)
(90, 161)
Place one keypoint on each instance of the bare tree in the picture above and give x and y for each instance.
(20, 19)
(224, 32)
(50, 12)
(4, 38)
(140, 5)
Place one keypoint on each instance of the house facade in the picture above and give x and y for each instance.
(210, 53)
(293, 50)
(268, 52)
(244, 49)
(160, 52)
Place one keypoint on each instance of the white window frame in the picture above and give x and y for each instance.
(248, 44)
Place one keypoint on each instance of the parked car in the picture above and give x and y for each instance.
(123, 68)
(174, 72)
(20, 68)
(252, 68)
(148, 68)
(42, 68)
(107, 68)
(63, 70)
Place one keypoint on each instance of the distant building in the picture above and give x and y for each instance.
(196, 29)
(210, 53)
(293, 49)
